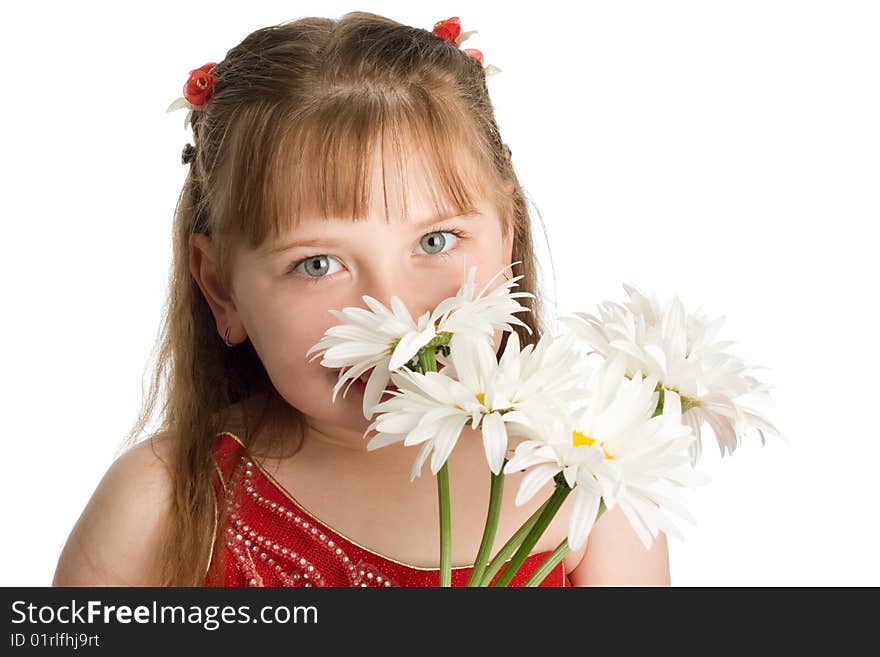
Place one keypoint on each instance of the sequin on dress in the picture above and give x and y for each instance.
(268, 539)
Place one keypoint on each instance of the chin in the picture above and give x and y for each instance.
(345, 413)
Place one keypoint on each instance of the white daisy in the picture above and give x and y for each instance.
(387, 340)
(615, 449)
(467, 315)
(432, 408)
(680, 350)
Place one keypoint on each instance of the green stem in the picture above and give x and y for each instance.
(687, 403)
(445, 527)
(495, 493)
(558, 554)
(556, 500)
(510, 547)
(427, 363)
(549, 564)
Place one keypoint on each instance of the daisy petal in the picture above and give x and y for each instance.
(534, 480)
(494, 441)
(376, 385)
(447, 436)
(409, 346)
(416, 470)
(583, 515)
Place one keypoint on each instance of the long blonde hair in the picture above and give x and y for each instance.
(295, 114)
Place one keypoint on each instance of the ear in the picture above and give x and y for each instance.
(203, 268)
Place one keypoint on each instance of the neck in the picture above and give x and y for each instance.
(321, 435)
(348, 440)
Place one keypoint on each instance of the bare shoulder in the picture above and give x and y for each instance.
(615, 556)
(115, 541)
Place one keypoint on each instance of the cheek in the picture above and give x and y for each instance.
(489, 261)
(499, 334)
(282, 343)
(285, 353)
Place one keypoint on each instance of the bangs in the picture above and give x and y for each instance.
(322, 163)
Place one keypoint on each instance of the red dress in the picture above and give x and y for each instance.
(269, 539)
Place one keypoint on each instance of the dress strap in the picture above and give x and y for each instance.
(227, 449)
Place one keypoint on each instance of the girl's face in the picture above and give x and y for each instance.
(282, 292)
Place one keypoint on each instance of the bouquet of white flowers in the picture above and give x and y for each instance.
(624, 433)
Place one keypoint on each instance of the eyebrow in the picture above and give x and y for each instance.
(469, 213)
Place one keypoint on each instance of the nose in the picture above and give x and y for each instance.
(416, 296)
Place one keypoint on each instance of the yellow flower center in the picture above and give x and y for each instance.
(578, 439)
(480, 398)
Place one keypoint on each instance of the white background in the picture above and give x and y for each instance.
(726, 152)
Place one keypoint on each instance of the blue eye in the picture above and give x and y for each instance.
(315, 268)
(435, 240)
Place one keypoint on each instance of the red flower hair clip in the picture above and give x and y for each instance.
(197, 91)
(450, 30)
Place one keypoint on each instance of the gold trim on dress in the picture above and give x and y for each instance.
(216, 505)
(281, 489)
(220, 474)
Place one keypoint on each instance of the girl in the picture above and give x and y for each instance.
(332, 159)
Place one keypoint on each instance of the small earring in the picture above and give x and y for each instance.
(226, 338)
